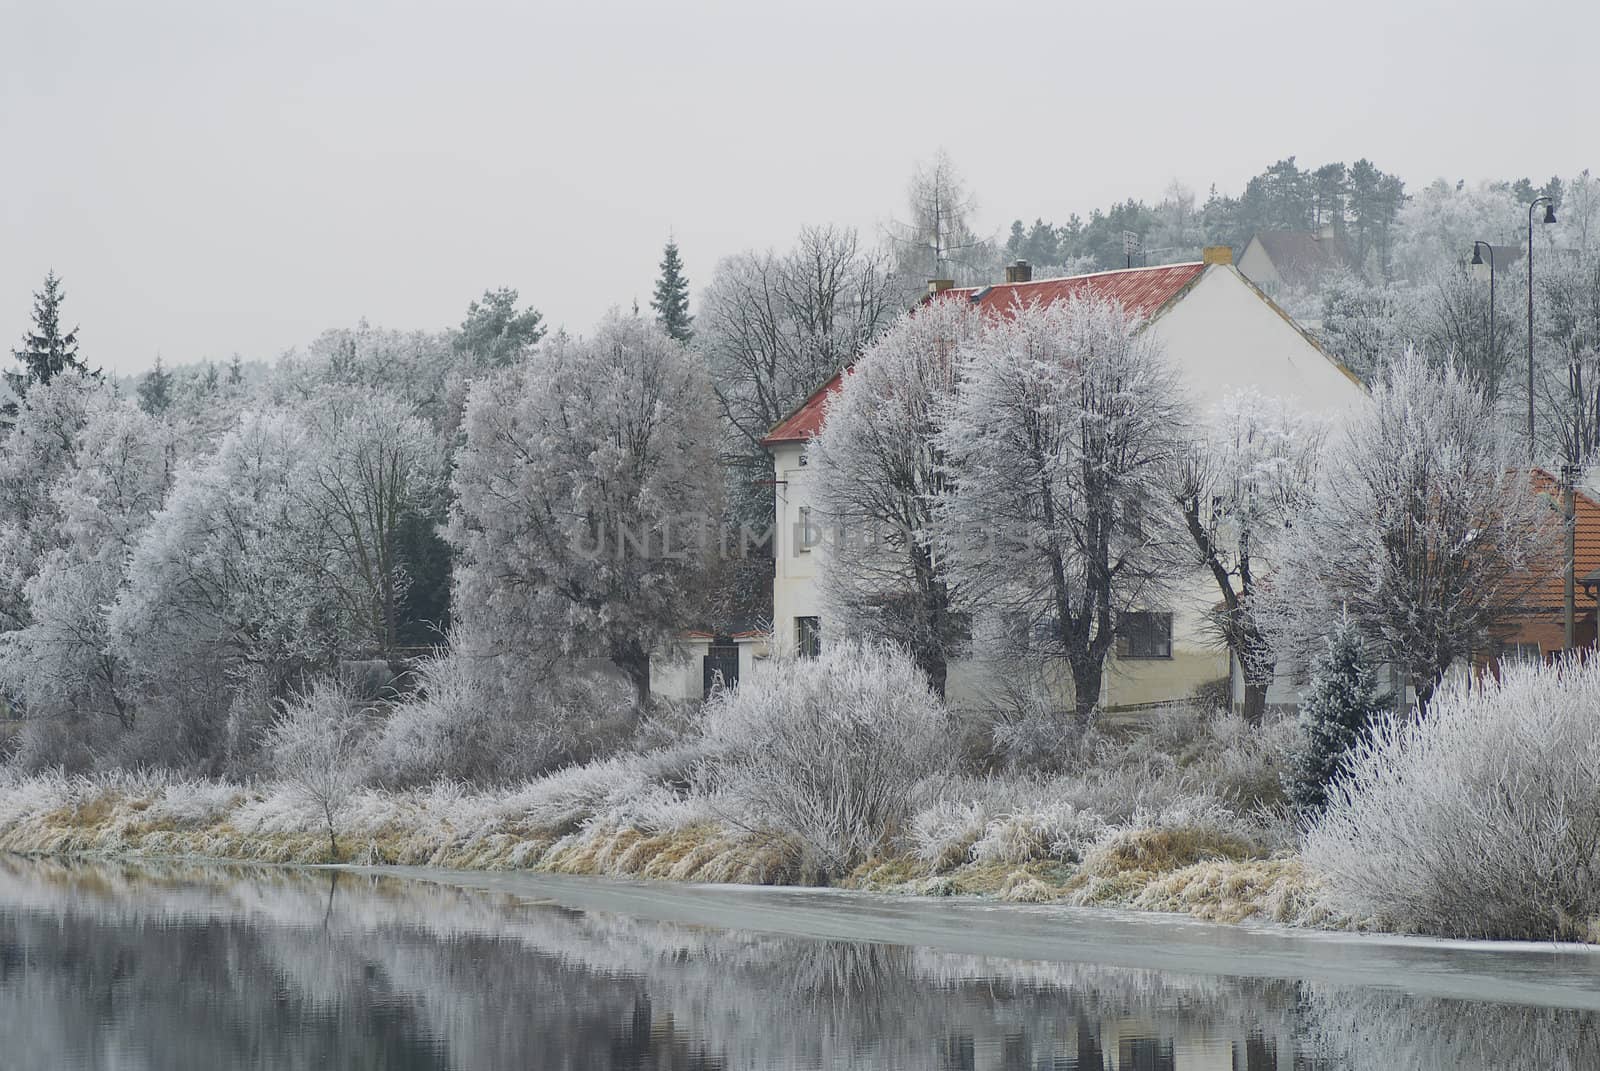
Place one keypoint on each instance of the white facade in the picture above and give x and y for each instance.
(1221, 334)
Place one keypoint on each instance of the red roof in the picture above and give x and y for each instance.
(1140, 291)
(1551, 590)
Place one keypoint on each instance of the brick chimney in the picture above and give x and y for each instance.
(1217, 254)
(939, 286)
(1020, 272)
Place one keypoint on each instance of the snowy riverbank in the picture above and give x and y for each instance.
(570, 824)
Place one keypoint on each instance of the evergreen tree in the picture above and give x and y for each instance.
(47, 350)
(155, 389)
(236, 372)
(1344, 700)
(672, 296)
(495, 333)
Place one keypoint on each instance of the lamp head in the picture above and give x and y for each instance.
(1477, 254)
(1549, 213)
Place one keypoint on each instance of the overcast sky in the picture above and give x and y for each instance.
(212, 177)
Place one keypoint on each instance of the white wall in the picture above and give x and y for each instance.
(1258, 267)
(1222, 337)
(794, 589)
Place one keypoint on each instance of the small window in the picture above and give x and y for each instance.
(1520, 652)
(1144, 634)
(808, 636)
(805, 536)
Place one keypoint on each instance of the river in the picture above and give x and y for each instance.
(211, 967)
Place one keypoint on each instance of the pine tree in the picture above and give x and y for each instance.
(46, 350)
(672, 296)
(235, 371)
(155, 389)
(1344, 700)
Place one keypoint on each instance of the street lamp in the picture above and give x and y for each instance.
(1549, 217)
(1477, 258)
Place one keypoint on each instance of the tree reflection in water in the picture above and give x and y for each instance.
(216, 967)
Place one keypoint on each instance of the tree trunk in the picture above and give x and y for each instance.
(1087, 675)
(333, 844)
(1255, 702)
(631, 657)
(937, 668)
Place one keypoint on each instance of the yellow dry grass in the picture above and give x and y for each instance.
(1199, 872)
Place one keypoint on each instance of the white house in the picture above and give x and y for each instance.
(1274, 260)
(1222, 334)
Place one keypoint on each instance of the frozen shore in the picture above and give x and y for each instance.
(1530, 973)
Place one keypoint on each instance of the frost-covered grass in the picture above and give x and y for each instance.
(683, 807)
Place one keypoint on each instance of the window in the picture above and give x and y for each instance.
(1520, 652)
(1144, 634)
(805, 536)
(808, 636)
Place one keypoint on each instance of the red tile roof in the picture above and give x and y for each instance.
(1550, 592)
(1140, 291)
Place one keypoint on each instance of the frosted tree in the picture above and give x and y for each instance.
(1439, 223)
(37, 452)
(318, 749)
(1061, 445)
(582, 496)
(1364, 324)
(62, 660)
(775, 326)
(878, 479)
(1335, 715)
(1247, 477)
(423, 369)
(772, 328)
(233, 574)
(155, 389)
(937, 241)
(372, 466)
(1425, 528)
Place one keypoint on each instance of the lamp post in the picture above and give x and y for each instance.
(1549, 217)
(1477, 258)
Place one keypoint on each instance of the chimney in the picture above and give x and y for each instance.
(1217, 254)
(939, 286)
(1020, 272)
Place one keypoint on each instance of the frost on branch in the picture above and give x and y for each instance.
(1062, 441)
(879, 479)
(581, 498)
(1425, 529)
(1249, 474)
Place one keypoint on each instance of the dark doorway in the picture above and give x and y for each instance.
(720, 666)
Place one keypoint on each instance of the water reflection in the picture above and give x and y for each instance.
(211, 968)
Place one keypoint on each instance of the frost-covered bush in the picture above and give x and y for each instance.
(1029, 731)
(1481, 819)
(318, 751)
(830, 750)
(456, 727)
(1056, 831)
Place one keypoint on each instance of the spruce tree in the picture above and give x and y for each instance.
(1343, 701)
(155, 389)
(47, 350)
(672, 296)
